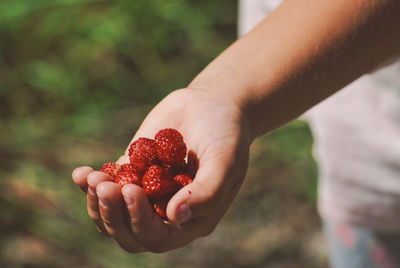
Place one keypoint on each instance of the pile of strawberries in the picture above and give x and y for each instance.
(157, 165)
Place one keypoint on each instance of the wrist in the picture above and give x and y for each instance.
(253, 96)
(238, 103)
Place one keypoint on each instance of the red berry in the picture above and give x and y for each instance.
(181, 180)
(127, 167)
(157, 182)
(177, 168)
(142, 154)
(127, 177)
(111, 169)
(171, 149)
(160, 206)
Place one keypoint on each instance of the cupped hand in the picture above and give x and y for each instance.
(215, 132)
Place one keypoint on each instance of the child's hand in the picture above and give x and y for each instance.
(214, 129)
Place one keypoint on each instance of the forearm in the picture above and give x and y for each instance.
(302, 53)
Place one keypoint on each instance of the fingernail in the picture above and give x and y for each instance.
(105, 202)
(92, 190)
(184, 213)
(128, 199)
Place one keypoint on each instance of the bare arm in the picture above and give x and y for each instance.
(302, 53)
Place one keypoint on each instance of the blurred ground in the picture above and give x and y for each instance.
(77, 78)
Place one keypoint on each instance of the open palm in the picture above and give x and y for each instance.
(215, 133)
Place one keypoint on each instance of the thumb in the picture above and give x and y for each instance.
(205, 195)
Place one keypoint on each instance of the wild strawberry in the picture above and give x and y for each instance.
(171, 149)
(181, 180)
(111, 169)
(177, 168)
(127, 177)
(157, 182)
(160, 206)
(142, 154)
(127, 167)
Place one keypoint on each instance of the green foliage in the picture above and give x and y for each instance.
(77, 78)
(79, 58)
(292, 144)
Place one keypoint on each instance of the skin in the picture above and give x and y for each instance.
(227, 144)
(299, 55)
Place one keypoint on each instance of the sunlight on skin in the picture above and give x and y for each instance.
(196, 209)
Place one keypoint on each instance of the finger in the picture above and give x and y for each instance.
(181, 235)
(79, 176)
(147, 226)
(159, 236)
(210, 190)
(113, 215)
(93, 180)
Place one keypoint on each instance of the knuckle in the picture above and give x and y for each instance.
(137, 226)
(93, 215)
(92, 203)
(108, 222)
(94, 208)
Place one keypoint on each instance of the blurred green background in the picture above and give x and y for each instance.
(76, 80)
